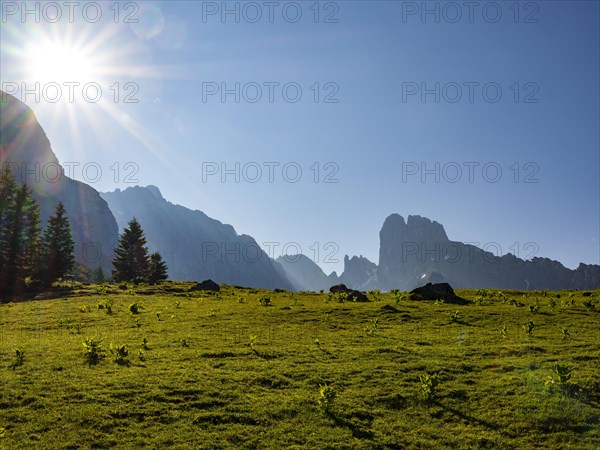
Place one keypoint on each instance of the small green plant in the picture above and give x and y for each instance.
(185, 343)
(121, 354)
(241, 300)
(107, 305)
(141, 355)
(84, 308)
(341, 297)
(528, 328)
(177, 304)
(503, 331)
(534, 308)
(398, 295)
(326, 398)
(428, 384)
(561, 375)
(145, 343)
(371, 328)
(75, 328)
(102, 290)
(93, 352)
(567, 303)
(455, 317)
(589, 305)
(134, 308)
(2, 432)
(552, 303)
(376, 294)
(565, 333)
(252, 342)
(159, 316)
(265, 301)
(19, 357)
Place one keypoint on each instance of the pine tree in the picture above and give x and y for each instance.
(33, 248)
(58, 246)
(20, 244)
(157, 270)
(98, 275)
(8, 188)
(131, 256)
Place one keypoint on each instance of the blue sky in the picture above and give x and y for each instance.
(542, 132)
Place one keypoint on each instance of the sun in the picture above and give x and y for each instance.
(58, 62)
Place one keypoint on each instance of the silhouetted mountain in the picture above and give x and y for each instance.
(194, 246)
(304, 274)
(417, 251)
(25, 148)
(359, 273)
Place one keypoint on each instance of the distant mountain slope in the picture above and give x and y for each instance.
(419, 250)
(194, 246)
(25, 148)
(304, 274)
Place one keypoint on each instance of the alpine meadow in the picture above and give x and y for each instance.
(323, 224)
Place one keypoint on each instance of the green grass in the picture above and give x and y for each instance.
(217, 372)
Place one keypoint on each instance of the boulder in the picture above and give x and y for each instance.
(353, 295)
(206, 285)
(437, 291)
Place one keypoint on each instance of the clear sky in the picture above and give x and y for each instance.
(484, 117)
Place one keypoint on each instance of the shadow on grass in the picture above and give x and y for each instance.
(356, 430)
(474, 420)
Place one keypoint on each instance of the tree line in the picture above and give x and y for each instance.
(32, 258)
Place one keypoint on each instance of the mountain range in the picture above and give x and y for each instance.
(195, 246)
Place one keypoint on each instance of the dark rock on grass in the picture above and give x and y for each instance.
(339, 288)
(206, 285)
(390, 309)
(437, 291)
(353, 295)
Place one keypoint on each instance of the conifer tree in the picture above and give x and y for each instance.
(8, 188)
(20, 244)
(58, 246)
(157, 270)
(98, 275)
(131, 256)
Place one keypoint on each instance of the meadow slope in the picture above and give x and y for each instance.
(244, 369)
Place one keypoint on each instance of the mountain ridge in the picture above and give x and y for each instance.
(27, 151)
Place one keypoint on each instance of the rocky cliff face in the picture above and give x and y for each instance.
(25, 148)
(418, 251)
(359, 273)
(194, 246)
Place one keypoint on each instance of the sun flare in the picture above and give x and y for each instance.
(59, 63)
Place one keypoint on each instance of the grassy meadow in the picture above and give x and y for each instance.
(249, 368)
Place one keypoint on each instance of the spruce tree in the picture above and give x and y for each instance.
(157, 271)
(131, 256)
(98, 275)
(20, 245)
(8, 190)
(58, 246)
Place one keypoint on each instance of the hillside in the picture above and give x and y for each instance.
(194, 246)
(210, 370)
